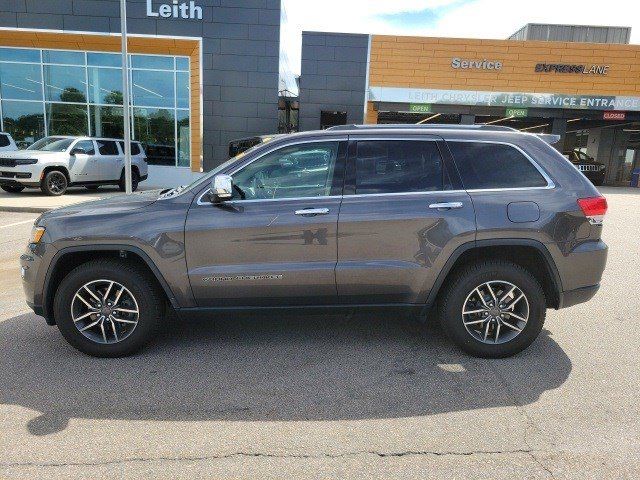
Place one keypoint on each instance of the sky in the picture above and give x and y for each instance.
(449, 18)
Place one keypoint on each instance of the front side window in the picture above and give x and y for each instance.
(305, 170)
(395, 166)
(494, 165)
(85, 146)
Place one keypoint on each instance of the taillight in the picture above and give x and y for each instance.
(594, 208)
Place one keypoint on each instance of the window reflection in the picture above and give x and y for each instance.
(64, 84)
(155, 128)
(24, 121)
(20, 81)
(67, 92)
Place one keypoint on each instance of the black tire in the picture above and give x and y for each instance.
(598, 182)
(465, 281)
(12, 188)
(93, 188)
(135, 179)
(54, 183)
(150, 301)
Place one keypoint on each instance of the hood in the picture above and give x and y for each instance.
(113, 204)
(28, 154)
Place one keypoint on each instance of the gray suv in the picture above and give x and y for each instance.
(482, 227)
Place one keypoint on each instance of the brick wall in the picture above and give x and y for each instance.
(333, 76)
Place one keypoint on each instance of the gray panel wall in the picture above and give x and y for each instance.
(573, 33)
(333, 76)
(240, 54)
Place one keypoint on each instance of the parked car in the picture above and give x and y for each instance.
(482, 227)
(6, 143)
(590, 167)
(55, 163)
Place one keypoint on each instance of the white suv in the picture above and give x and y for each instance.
(55, 163)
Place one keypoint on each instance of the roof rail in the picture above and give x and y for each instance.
(430, 126)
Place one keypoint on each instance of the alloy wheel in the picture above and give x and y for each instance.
(495, 312)
(104, 311)
(57, 182)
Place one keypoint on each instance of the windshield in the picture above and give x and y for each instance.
(51, 144)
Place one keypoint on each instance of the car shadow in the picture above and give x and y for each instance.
(270, 368)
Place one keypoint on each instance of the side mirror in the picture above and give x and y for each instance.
(221, 188)
(77, 150)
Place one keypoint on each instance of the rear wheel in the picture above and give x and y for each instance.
(12, 188)
(135, 179)
(493, 309)
(108, 308)
(54, 183)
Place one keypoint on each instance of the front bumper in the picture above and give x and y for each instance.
(579, 295)
(33, 270)
(18, 179)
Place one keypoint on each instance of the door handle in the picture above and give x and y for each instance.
(446, 205)
(312, 211)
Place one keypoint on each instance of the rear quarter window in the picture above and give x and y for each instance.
(494, 165)
(135, 148)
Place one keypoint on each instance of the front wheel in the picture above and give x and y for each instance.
(108, 308)
(54, 183)
(12, 188)
(493, 309)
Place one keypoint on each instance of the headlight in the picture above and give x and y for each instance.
(36, 234)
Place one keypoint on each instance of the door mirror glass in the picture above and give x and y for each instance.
(221, 188)
(76, 150)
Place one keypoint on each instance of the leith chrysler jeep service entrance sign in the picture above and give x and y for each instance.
(483, 64)
(502, 99)
(185, 10)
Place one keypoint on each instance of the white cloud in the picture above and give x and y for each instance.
(476, 19)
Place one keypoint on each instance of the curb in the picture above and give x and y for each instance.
(25, 209)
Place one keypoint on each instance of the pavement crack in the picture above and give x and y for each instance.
(339, 455)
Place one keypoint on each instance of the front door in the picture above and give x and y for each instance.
(275, 242)
(403, 213)
(83, 166)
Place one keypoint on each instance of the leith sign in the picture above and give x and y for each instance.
(184, 10)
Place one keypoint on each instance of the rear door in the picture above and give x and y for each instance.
(110, 160)
(403, 213)
(275, 242)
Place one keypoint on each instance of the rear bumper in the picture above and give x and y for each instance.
(579, 295)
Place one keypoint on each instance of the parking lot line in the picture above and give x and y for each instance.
(17, 223)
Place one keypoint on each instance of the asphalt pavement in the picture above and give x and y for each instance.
(366, 395)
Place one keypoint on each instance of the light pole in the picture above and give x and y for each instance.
(125, 98)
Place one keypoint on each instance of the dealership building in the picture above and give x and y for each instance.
(206, 72)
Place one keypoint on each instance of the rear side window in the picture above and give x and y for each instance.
(107, 147)
(135, 148)
(494, 165)
(4, 141)
(392, 166)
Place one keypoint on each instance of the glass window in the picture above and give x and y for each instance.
(184, 133)
(392, 166)
(104, 59)
(52, 144)
(153, 62)
(85, 146)
(107, 147)
(182, 90)
(66, 119)
(106, 121)
(20, 81)
(153, 89)
(63, 57)
(4, 140)
(24, 121)
(155, 128)
(135, 148)
(19, 55)
(64, 84)
(182, 63)
(105, 86)
(492, 165)
(304, 170)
